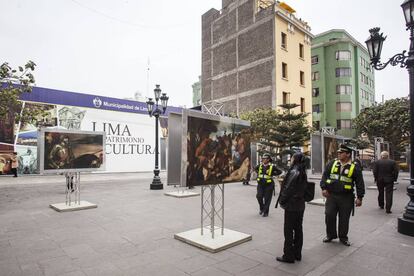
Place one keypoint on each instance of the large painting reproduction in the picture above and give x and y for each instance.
(218, 149)
(71, 151)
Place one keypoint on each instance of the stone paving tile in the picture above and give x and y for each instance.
(236, 265)
(263, 269)
(208, 271)
(103, 269)
(57, 266)
(155, 269)
(131, 233)
(9, 267)
(195, 263)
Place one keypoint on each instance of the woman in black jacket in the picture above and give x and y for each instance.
(292, 200)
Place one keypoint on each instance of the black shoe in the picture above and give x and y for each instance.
(283, 260)
(381, 207)
(298, 258)
(388, 212)
(261, 212)
(327, 239)
(345, 242)
(265, 215)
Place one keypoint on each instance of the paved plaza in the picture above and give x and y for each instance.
(131, 232)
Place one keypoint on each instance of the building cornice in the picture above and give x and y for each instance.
(349, 38)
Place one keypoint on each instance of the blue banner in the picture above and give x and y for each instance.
(52, 96)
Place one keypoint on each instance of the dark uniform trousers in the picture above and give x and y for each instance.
(293, 235)
(341, 203)
(389, 190)
(264, 195)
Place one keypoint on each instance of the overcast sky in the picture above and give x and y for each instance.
(103, 47)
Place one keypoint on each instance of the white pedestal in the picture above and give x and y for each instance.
(181, 194)
(220, 242)
(318, 201)
(62, 207)
(374, 187)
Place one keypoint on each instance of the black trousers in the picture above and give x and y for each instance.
(338, 204)
(293, 235)
(14, 171)
(389, 190)
(264, 195)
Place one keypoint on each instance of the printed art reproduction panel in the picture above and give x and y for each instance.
(218, 151)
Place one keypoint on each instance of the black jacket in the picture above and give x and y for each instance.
(385, 170)
(337, 187)
(293, 190)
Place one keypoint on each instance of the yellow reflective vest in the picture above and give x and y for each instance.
(341, 180)
(267, 175)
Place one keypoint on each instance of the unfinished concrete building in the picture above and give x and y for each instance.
(255, 53)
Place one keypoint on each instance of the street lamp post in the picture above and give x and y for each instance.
(153, 110)
(374, 45)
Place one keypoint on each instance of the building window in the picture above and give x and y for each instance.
(301, 51)
(343, 124)
(343, 55)
(316, 125)
(343, 72)
(315, 92)
(344, 89)
(302, 78)
(344, 107)
(284, 41)
(284, 70)
(316, 108)
(315, 60)
(285, 99)
(302, 105)
(307, 39)
(315, 75)
(291, 28)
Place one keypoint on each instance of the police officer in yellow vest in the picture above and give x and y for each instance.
(265, 184)
(338, 181)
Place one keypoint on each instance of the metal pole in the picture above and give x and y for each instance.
(213, 210)
(156, 182)
(222, 209)
(406, 223)
(202, 209)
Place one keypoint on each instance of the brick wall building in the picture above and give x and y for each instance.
(249, 49)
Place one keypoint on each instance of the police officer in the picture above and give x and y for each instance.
(338, 181)
(265, 184)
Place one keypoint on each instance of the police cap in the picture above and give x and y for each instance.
(344, 148)
(266, 155)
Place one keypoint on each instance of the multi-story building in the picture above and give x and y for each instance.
(256, 53)
(197, 92)
(342, 81)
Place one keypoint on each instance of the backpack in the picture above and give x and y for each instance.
(309, 191)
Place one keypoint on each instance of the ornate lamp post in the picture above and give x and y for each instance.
(374, 45)
(156, 112)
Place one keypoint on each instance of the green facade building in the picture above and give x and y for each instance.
(342, 81)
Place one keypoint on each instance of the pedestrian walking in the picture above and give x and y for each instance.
(338, 181)
(292, 200)
(385, 174)
(14, 164)
(265, 184)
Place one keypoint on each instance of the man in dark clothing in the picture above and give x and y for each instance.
(292, 200)
(265, 183)
(338, 181)
(385, 173)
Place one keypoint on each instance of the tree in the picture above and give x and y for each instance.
(278, 133)
(263, 122)
(390, 120)
(292, 131)
(14, 82)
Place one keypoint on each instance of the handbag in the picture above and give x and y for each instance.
(309, 191)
